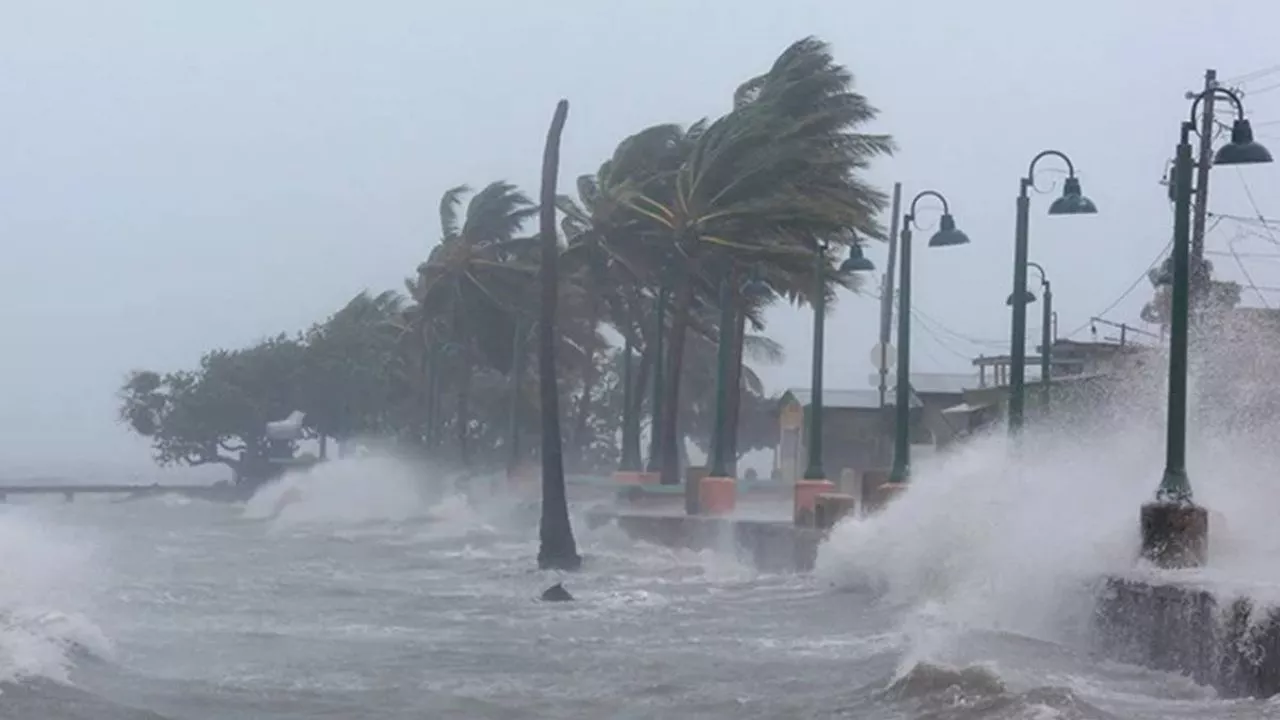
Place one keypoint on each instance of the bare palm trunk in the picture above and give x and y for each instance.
(464, 412)
(735, 385)
(670, 433)
(590, 375)
(557, 549)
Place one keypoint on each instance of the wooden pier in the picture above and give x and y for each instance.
(220, 493)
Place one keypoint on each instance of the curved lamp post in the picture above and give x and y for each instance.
(1174, 529)
(1046, 333)
(1072, 202)
(814, 481)
(946, 236)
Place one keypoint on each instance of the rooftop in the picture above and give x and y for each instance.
(846, 399)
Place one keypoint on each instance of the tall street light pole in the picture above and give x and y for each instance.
(1046, 333)
(946, 236)
(1072, 202)
(815, 482)
(1174, 529)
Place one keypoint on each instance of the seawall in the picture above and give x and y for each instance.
(1217, 636)
(767, 545)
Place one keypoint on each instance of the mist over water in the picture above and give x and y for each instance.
(380, 587)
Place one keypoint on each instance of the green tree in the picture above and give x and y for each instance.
(217, 414)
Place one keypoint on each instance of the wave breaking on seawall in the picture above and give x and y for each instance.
(45, 600)
(366, 490)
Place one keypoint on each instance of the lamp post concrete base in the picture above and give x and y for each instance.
(806, 499)
(1175, 535)
(629, 477)
(884, 494)
(831, 508)
(716, 495)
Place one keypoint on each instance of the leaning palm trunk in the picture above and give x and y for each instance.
(735, 383)
(464, 412)
(557, 549)
(590, 375)
(670, 434)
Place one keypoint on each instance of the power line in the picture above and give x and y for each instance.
(1128, 291)
(1254, 75)
(1259, 91)
(1248, 192)
(1254, 255)
(941, 343)
(1248, 278)
(1258, 219)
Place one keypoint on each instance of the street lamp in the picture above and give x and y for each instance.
(1046, 334)
(716, 491)
(946, 236)
(1072, 202)
(1174, 529)
(814, 482)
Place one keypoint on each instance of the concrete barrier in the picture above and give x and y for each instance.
(769, 546)
(1218, 638)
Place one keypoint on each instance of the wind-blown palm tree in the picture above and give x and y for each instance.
(766, 183)
(474, 282)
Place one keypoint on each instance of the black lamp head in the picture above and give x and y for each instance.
(857, 262)
(1073, 201)
(1243, 149)
(947, 234)
(1028, 297)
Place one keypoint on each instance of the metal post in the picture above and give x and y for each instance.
(655, 445)
(720, 445)
(886, 292)
(901, 471)
(1175, 486)
(513, 421)
(815, 470)
(1200, 278)
(1046, 347)
(1018, 343)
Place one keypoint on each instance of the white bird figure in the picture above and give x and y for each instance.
(289, 428)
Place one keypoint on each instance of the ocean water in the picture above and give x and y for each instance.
(378, 592)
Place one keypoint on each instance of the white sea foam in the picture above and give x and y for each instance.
(45, 599)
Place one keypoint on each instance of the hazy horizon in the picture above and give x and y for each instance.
(180, 177)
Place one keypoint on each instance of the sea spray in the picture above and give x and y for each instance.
(349, 490)
(47, 582)
(1016, 536)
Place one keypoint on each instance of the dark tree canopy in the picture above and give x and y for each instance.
(447, 368)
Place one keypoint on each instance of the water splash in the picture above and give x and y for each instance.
(346, 491)
(1015, 537)
(45, 598)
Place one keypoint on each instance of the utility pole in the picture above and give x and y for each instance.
(1199, 274)
(886, 292)
(885, 451)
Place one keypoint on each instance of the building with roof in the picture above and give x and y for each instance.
(857, 431)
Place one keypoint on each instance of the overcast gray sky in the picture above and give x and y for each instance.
(181, 175)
